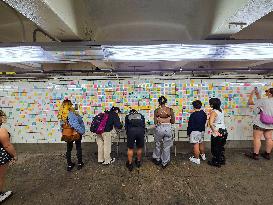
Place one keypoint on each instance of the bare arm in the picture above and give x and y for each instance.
(155, 117)
(213, 115)
(5, 141)
(250, 99)
(172, 116)
(256, 93)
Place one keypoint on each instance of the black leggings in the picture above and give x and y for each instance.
(69, 149)
(218, 149)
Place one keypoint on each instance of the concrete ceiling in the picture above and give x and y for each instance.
(135, 21)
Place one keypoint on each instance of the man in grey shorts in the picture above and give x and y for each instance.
(196, 131)
(197, 137)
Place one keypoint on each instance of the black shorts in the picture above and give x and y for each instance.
(135, 135)
(256, 127)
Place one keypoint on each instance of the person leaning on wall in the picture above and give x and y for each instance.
(163, 118)
(219, 133)
(73, 128)
(104, 140)
(7, 155)
(262, 123)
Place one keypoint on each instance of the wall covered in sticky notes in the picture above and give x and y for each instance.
(32, 107)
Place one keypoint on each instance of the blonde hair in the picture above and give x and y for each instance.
(64, 110)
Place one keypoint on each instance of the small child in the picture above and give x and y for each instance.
(196, 131)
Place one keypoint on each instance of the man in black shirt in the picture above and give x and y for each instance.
(195, 130)
(135, 130)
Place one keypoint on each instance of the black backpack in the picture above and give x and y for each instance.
(96, 122)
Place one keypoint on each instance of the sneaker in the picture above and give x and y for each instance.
(5, 195)
(156, 162)
(266, 155)
(129, 166)
(203, 157)
(138, 163)
(252, 155)
(194, 160)
(111, 162)
(80, 166)
(213, 163)
(70, 167)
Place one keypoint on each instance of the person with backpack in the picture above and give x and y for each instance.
(72, 127)
(219, 133)
(163, 119)
(196, 131)
(262, 123)
(135, 130)
(104, 137)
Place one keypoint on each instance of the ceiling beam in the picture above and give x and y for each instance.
(57, 18)
(231, 16)
(68, 66)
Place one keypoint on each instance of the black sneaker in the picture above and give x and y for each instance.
(266, 155)
(70, 167)
(5, 195)
(138, 163)
(80, 166)
(213, 163)
(129, 166)
(252, 156)
(165, 166)
(156, 162)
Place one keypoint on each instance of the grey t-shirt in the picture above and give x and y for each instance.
(266, 105)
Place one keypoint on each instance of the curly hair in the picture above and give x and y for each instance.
(162, 100)
(64, 110)
(2, 113)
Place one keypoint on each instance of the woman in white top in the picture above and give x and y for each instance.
(260, 127)
(219, 133)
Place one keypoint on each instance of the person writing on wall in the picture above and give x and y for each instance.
(135, 130)
(71, 120)
(163, 118)
(262, 123)
(7, 155)
(196, 131)
(104, 140)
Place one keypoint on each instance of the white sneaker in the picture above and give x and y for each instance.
(5, 195)
(111, 162)
(194, 160)
(203, 157)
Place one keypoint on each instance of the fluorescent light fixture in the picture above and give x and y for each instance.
(178, 52)
(20, 54)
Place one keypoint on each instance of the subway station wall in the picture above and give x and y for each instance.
(32, 106)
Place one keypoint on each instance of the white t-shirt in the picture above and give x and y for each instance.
(266, 105)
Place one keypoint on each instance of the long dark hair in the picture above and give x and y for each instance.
(215, 103)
